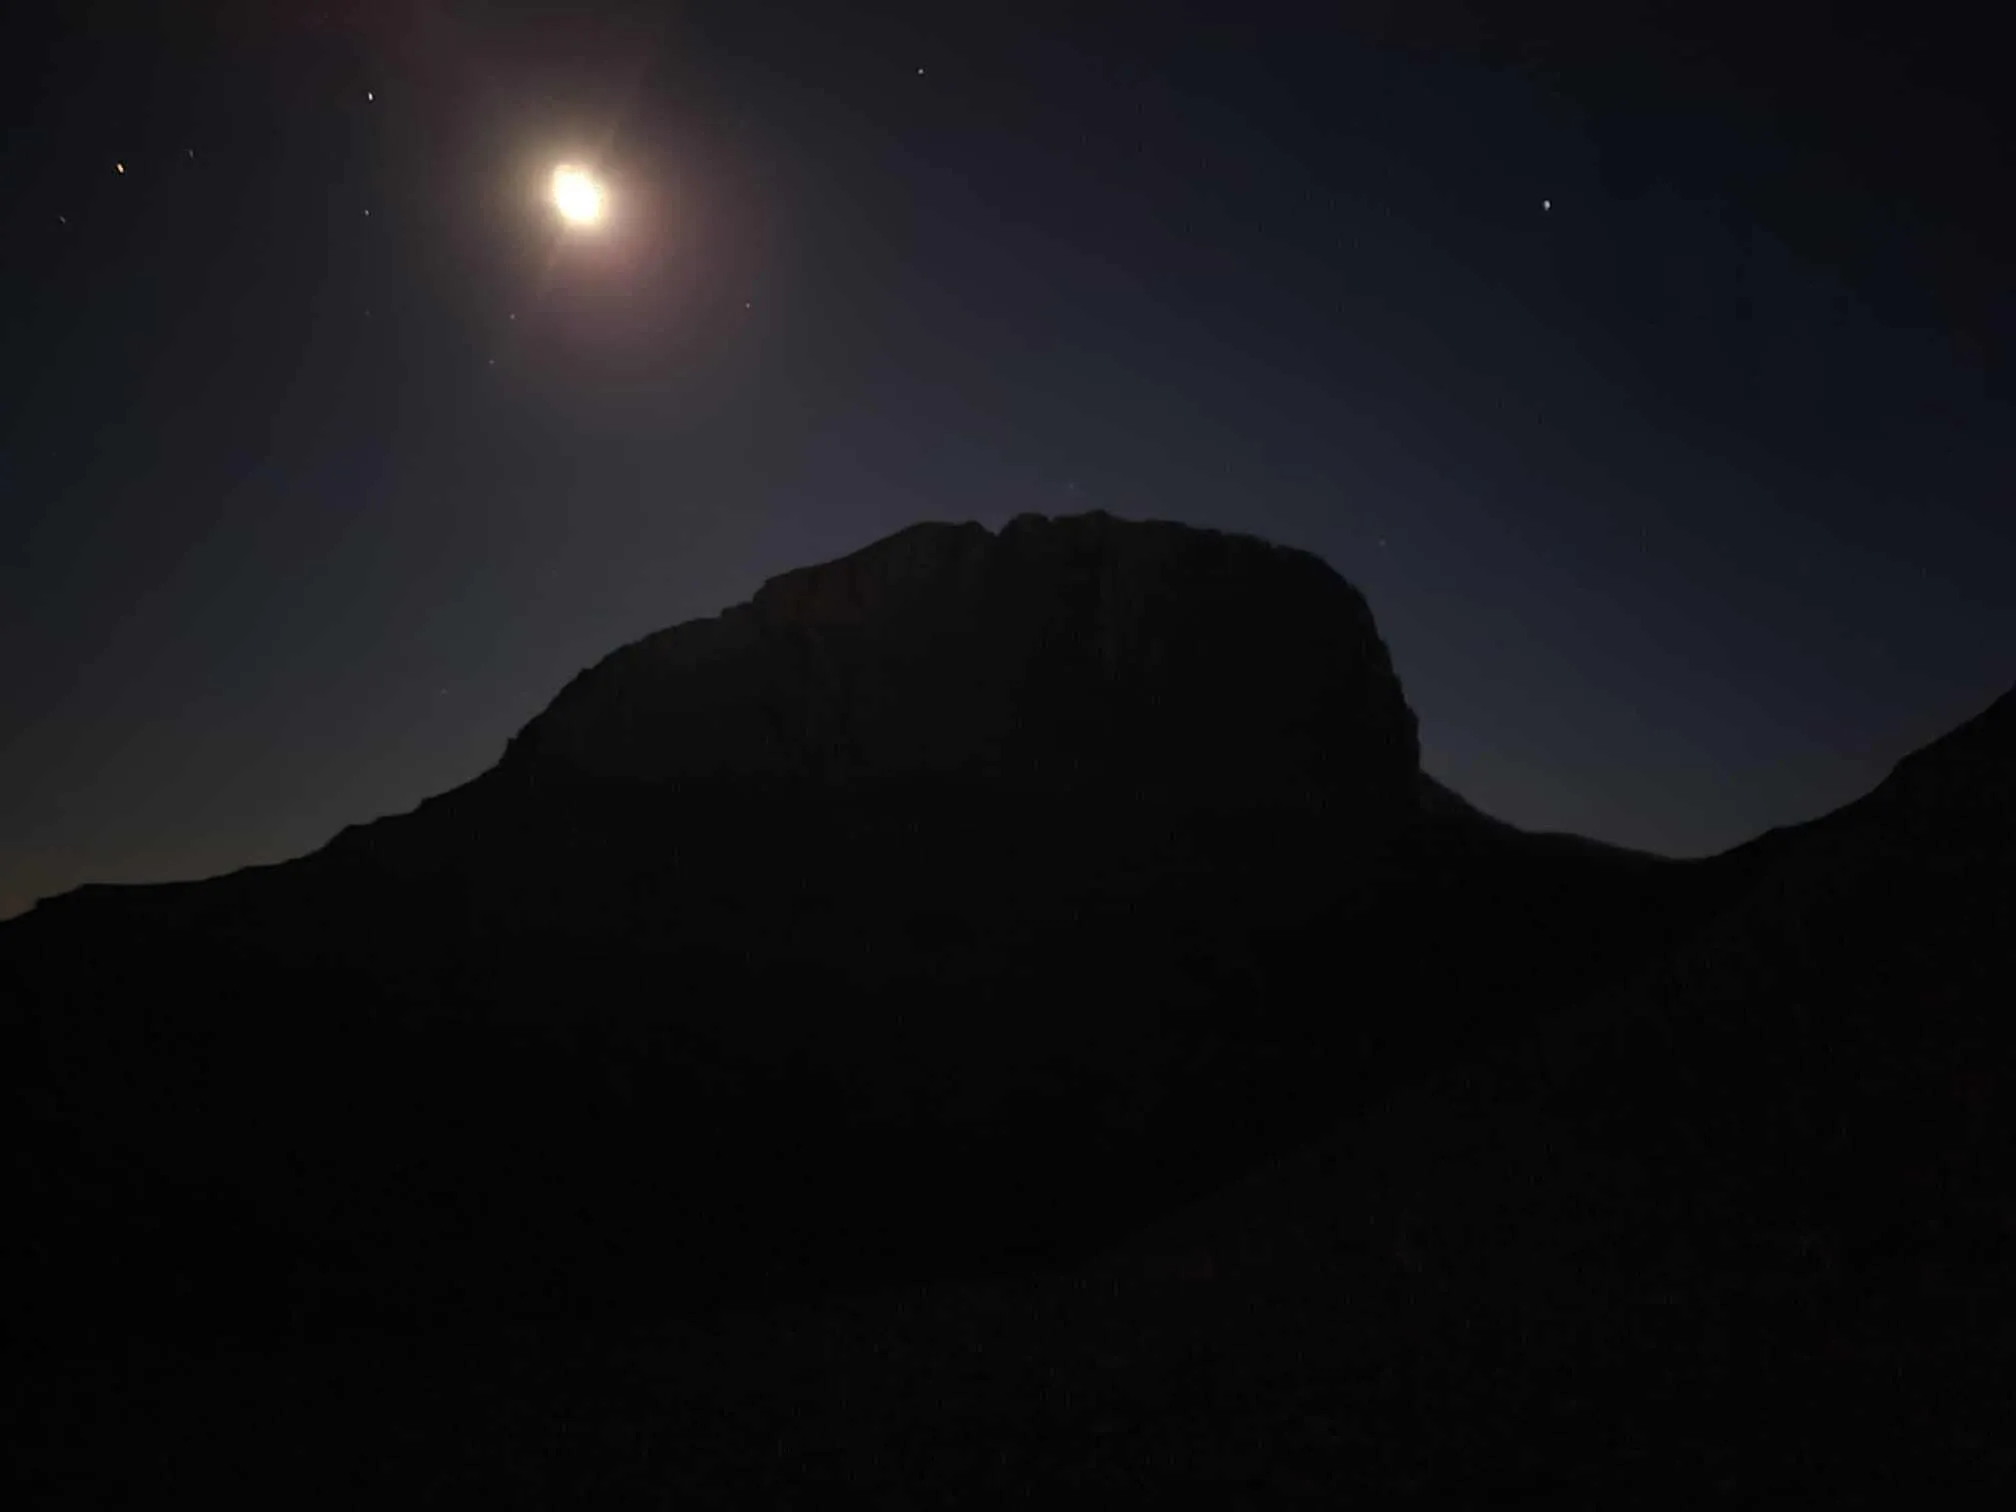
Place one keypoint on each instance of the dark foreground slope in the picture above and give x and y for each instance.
(956, 903)
(1739, 1231)
(1747, 1226)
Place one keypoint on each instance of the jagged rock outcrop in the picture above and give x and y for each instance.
(1075, 653)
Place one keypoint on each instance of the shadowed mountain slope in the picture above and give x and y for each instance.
(1739, 1229)
(1747, 1222)
(970, 897)
(1294, 1127)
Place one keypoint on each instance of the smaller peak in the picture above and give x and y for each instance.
(1999, 717)
(1992, 731)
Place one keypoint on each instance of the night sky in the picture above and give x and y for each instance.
(1651, 378)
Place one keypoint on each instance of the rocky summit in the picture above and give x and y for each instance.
(960, 898)
(1085, 653)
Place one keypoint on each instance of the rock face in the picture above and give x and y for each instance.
(1062, 654)
(959, 897)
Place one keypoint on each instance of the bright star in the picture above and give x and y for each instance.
(578, 196)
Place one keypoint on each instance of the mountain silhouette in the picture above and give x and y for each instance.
(985, 904)
(1020, 880)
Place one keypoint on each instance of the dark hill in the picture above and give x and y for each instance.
(1747, 1224)
(1296, 1129)
(1083, 654)
(967, 898)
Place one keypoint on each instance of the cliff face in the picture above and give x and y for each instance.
(1065, 654)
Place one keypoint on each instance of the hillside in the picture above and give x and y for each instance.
(1085, 1082)
(1025, 881)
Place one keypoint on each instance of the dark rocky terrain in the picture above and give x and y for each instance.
(1004, 1012)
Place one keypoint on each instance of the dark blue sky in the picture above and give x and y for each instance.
(1684, 504)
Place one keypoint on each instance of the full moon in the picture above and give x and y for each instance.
(577, 195)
